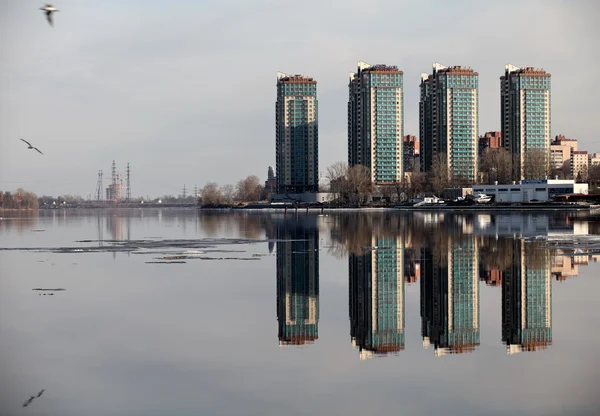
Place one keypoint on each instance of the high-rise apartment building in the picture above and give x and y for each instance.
(297, 134)
(527, 300)
(449, 120)
(376, 121)
(450, 296)
(377, 298)
(525, 101)
(297, 280)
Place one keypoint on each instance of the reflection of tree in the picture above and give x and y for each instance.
(21, 220)
(244, 224)
(495, 253)
(353, 232)
(537, 255)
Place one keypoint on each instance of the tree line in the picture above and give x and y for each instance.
(20, 199)
(247, 190)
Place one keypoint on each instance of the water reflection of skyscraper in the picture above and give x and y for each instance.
(376, 287)
(527, 299)
(297, 279)
(450, 295)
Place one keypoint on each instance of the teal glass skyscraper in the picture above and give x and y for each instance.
(450, 296)
(449, 120)
(297, 280)
(376, 283)
(376, 121)
(296, 134)
(527, 300)
(526, 122)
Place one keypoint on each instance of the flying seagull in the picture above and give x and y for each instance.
(41, 392)
(49, 9)
(31, 147)
(28, 401)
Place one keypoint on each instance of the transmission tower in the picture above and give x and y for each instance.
(184, 191)
(114, 174)
(99, 187)
(195, 191)
(128, 196)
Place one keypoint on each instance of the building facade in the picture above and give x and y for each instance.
(560, 152)
(450, 296)
(297, 134)
(490, 140)
(412, 151)
(449, 120)
(579, 165)
(527, 300)
(376, 121)
(525, 102)
(297, 280)
(531, 190)
(376, 283)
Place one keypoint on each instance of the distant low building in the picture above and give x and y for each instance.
(560, 151)
(306, 197)
(490, 140)
(531, 190)
(412, 152)
(579, 165)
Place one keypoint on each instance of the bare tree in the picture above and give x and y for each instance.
(496, 165)
(386, 191)
(337, 170)
(594, 174)
(249, 189)
(566, 169)
(211, 195)
(228, 194)
(536, 164)
(20, 199)
(337, 175)
(359, 184)
(416, 185)
(439, 173)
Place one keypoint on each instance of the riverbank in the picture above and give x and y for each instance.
(329, 208)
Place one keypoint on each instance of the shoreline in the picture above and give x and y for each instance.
(317, 208)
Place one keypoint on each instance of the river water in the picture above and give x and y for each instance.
(171, 312)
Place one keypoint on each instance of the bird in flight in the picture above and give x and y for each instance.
(41, 392)
(28, 402)
(31, 147)
(49, 9)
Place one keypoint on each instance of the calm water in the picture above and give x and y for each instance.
(167, 312)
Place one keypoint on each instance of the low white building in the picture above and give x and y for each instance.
(531, 190)
(306, 197)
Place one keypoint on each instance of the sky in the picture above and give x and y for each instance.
(185, 91)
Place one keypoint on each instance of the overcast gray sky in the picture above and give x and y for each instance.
(185, 90)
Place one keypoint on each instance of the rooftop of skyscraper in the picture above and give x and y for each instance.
(561, 138)
(455, 70)
(378, 68)
(383, 68)
(294, 79)
(527, 71)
